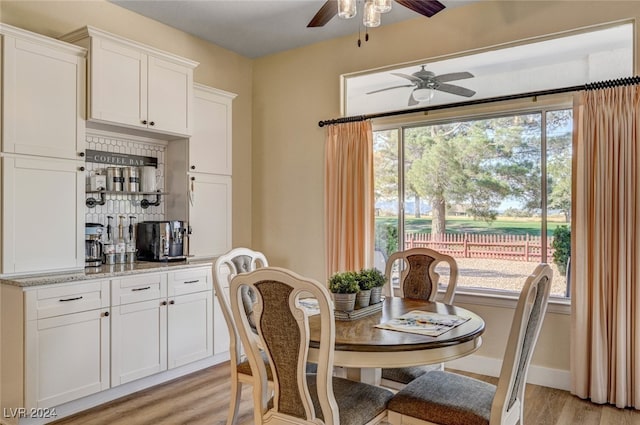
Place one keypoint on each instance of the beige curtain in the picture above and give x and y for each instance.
(605, 327)
(348, 196)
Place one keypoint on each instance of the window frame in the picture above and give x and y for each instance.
(482, 296)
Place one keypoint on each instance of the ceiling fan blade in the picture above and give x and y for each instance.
(408, 77)
(427, 8)
(324, 15)
(460, 91)
(412, 100)
(389, 88)
(454, 76)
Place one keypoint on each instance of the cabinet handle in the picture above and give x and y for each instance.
(71, 299)
(172, 302)
(193, 167)
(81, 154)
(106, 314)
(81, 168)
(163, 303)
(192, 281)
(141, 289)
(144, 122)
(152, 123)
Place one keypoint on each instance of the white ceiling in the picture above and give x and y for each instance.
(255, 28)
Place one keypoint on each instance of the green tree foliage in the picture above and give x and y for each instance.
(562, 247)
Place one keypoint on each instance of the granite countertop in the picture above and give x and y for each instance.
(103, 272)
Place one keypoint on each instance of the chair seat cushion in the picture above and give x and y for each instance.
(445, 398)
(358, 403)
(404, 375)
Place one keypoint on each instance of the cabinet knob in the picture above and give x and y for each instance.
(106, 314)
(81, 154)
(144, 122)
(172, 302)
(81, 168)
(193, 178)
(152, 123)
(163, 303)
(193, 167)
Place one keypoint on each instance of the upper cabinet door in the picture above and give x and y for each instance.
(118, 84)
(211, 143)
(170, 97)
(137, 86)
(44, 92)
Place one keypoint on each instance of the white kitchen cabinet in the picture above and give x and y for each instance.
(190, 316)
(165, 321)
(199, 175)
(42, 214)
(138, 327)
(43, 96)
(66, 343)
(210, 145)
(136, 86)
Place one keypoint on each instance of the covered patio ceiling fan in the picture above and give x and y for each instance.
(425, 83)
(328, 10)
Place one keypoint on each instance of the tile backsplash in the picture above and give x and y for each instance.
(126, 205)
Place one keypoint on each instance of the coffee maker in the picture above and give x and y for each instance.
(161, 240)
(92, 244)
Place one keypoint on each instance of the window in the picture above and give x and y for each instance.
(494, 192)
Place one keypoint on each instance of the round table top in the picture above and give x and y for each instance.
(361, 335)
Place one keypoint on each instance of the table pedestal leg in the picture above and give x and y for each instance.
(368, 375)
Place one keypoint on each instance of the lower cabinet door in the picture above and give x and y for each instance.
(138, 340)
(67, 357)
(190, 328)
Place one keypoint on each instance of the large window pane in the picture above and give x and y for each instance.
(473, 189)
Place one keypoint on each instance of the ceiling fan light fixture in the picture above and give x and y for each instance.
(382, 6)
(347, 9)
(423, 95)
(371, 16)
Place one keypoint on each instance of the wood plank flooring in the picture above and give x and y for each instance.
(202, 398)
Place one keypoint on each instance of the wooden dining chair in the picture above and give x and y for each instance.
(418, 279)
(447, 398)
(238, 260)
(283, 331)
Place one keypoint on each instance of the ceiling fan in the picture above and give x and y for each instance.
(328, 10)
(425, 82)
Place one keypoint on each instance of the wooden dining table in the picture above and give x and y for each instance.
(363, 349)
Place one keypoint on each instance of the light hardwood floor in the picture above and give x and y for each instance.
(202, 398)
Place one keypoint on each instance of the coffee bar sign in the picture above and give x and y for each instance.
(114, 158)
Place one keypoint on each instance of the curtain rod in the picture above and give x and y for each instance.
(590, 86)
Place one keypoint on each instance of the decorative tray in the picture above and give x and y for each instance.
(358, 313)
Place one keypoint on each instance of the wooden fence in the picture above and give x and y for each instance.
(503, 247)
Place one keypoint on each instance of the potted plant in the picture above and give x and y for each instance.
(375, 280)
(366, 284)
(344, 287)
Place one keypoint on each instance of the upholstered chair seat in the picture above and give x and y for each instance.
(404, 375)
(447, 398)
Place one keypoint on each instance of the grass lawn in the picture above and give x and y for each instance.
(503, 225)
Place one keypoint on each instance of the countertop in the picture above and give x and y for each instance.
(103, 272)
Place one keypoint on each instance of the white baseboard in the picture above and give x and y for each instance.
(538, 375)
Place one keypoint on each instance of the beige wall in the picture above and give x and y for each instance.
(218, 68)
(295, 89)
